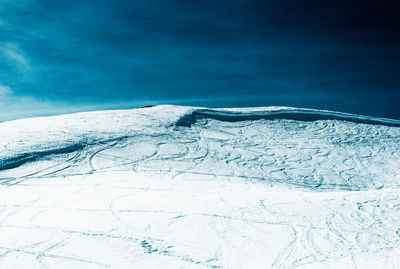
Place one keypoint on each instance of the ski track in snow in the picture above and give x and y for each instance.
(183, 187)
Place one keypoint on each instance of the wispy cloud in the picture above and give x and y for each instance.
(5, 90)
(13, 53)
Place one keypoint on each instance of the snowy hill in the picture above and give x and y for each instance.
(187, 187)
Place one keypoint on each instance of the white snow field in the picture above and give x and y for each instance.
(187, 187)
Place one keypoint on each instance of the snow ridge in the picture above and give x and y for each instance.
(300, 148)
(286, 114)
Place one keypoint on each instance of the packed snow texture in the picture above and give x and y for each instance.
(186, 187)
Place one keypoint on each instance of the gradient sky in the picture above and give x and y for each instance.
(65, 56)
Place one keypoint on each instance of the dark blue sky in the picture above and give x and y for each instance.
(64, 56)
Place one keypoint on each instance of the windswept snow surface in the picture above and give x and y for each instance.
(186, 187)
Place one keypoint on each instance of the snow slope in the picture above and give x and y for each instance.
(187, 187)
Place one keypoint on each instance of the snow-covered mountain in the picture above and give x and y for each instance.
(187, 187)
